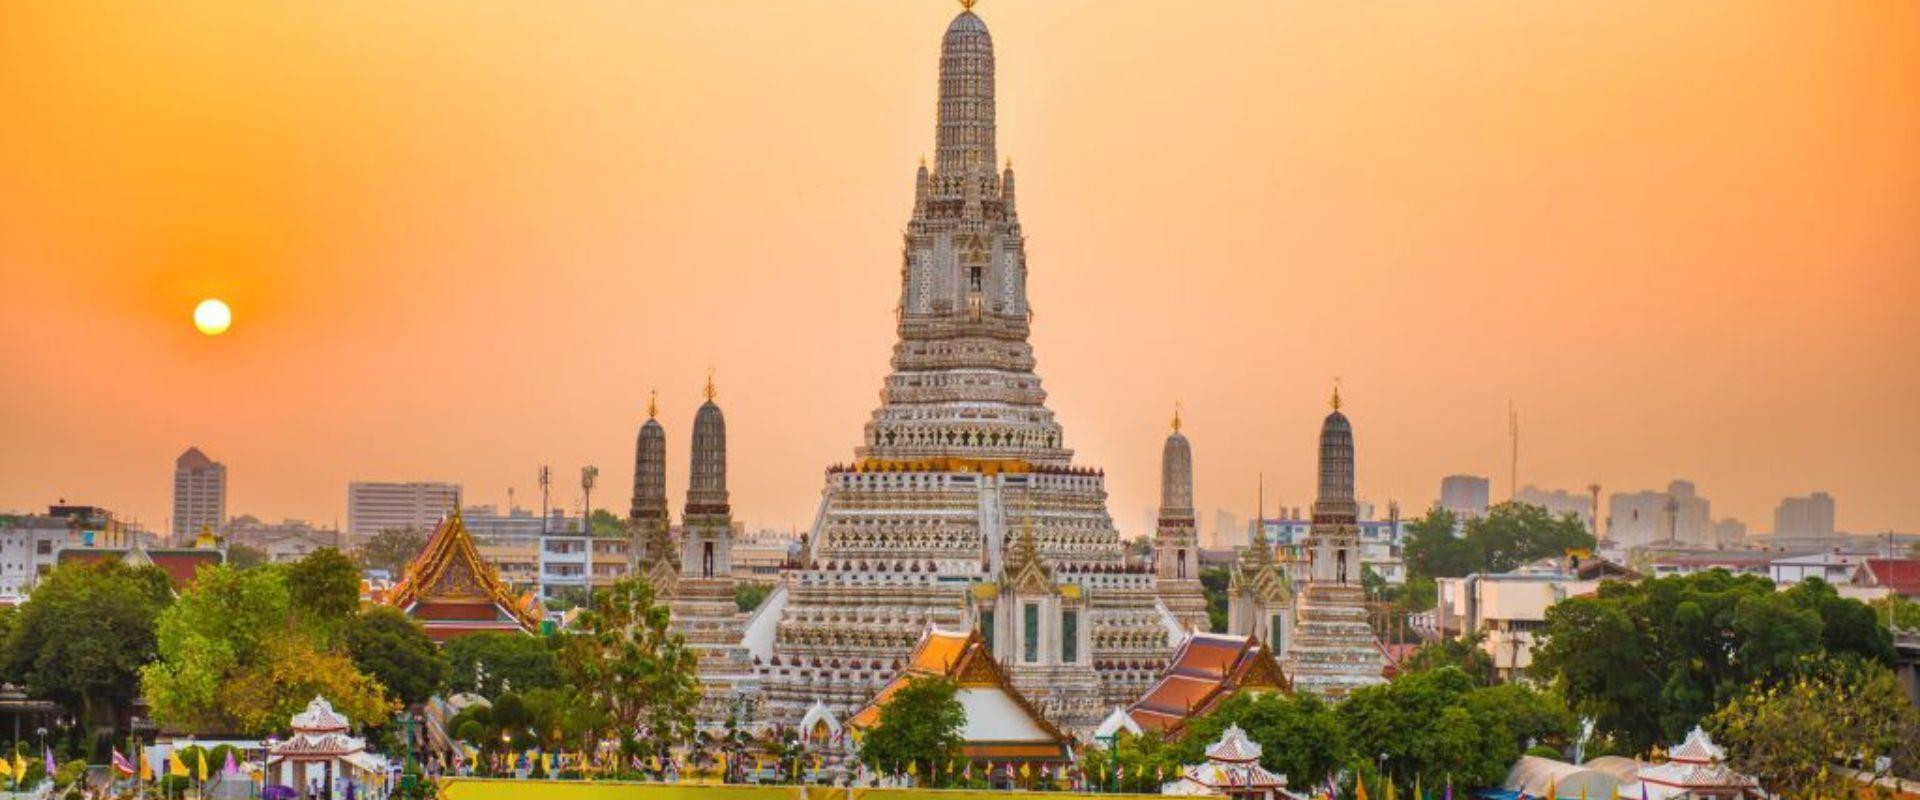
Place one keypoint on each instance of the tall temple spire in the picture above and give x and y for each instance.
(707, 471)
(1176, 537)
(965, 135)
(651, 541)
(1335, 503)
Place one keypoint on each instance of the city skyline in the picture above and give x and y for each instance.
(1719, 301)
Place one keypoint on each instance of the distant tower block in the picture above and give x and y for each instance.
(1176, 539)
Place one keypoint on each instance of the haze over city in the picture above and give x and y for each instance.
(459, 244)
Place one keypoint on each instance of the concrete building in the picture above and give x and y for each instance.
(1507, 608)
(199, 494)
(374, 506)
(1560, 502)
(1380, 540)
(1677, 517)
(1834, 568)
(287, 540)
(1806, 515)
(1464, 495)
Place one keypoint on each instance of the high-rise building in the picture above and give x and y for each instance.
(1807, 515)
(1464, 495)
(199, 494)
(963, 508)
(1559, 502)
(1677, 517)
(374, 506)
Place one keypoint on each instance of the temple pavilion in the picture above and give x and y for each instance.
(1002, 729)
(320, 759)
(1695, 770)
(1207, 670)
(1232, 769)
(452, 591)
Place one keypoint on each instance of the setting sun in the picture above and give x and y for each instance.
(212, 316)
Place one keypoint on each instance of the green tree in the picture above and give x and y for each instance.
(1462, 653)
(393, 649)
(489, 663)
(1794, 735)
(629, 668)
(1434, 550)
(1648, 660)
(236, 655)
(748, 595)
(325, 584)
(606, 525)
(1213, 582)
(919, 725)
(392, 549)
(1905, 614)
(1440, 723)
(244, 556)
(83, 635)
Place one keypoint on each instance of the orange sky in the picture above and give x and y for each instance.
(464, 239)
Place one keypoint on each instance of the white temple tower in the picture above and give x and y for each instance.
(701, 599)
(1333, 650)
(1176, 538)
(961, 456)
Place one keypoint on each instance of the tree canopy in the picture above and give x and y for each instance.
(1835, 712)
(393, 649)
(85, 632)
(629, 668)
(236, 654)
(1441, 723)
(919, 726)
(490, 663)
(1511, 534)
(393, 549)
(1648, 660)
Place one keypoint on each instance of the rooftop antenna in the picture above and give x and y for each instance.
(546, 491)
(1513, 436)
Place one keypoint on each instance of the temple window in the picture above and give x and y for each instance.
(1030, 633)
(1069, 637)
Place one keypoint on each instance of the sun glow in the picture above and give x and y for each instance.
(212, 316)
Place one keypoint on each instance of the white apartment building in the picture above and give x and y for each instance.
(374, 506)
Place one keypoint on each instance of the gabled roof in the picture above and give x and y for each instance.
(1208, 669)
(1898, 575)
(1000, 724)
(452, 590)
(180, 564)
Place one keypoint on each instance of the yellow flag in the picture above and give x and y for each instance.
(146, 767)
(175, 766)
(1359, 789)
(546, 764)
(203, 764)
(1026, 770)
(913, 768)
(19, 766)
(1553, 789)
(1389, 789)
(6, 768)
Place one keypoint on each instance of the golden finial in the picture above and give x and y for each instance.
(1336, 394)
(710, 390)
(967, 5)
(1176, 416)
(653, 403)
(923, 160)
(1009, 162)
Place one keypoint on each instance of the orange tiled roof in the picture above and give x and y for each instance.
(965, 659)
(1208, 669)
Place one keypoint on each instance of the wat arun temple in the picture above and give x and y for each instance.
(963, 509)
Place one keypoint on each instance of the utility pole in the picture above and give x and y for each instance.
(1594, 511)
(587, 476)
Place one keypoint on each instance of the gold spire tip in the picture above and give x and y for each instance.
(710, 392)
(1336, 394)
(967, 5)
(1176, 416)
(653, 403)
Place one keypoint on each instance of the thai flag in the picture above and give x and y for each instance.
(121, 764)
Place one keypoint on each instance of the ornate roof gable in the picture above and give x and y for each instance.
(1025, 572)
(450, 569)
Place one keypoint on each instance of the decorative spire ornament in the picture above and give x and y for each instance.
(1336, 394)
(710, 392)
(653, 403)
(1176, 416)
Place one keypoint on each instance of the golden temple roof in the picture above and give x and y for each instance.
(449, 583)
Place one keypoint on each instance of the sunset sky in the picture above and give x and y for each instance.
(462, 240)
